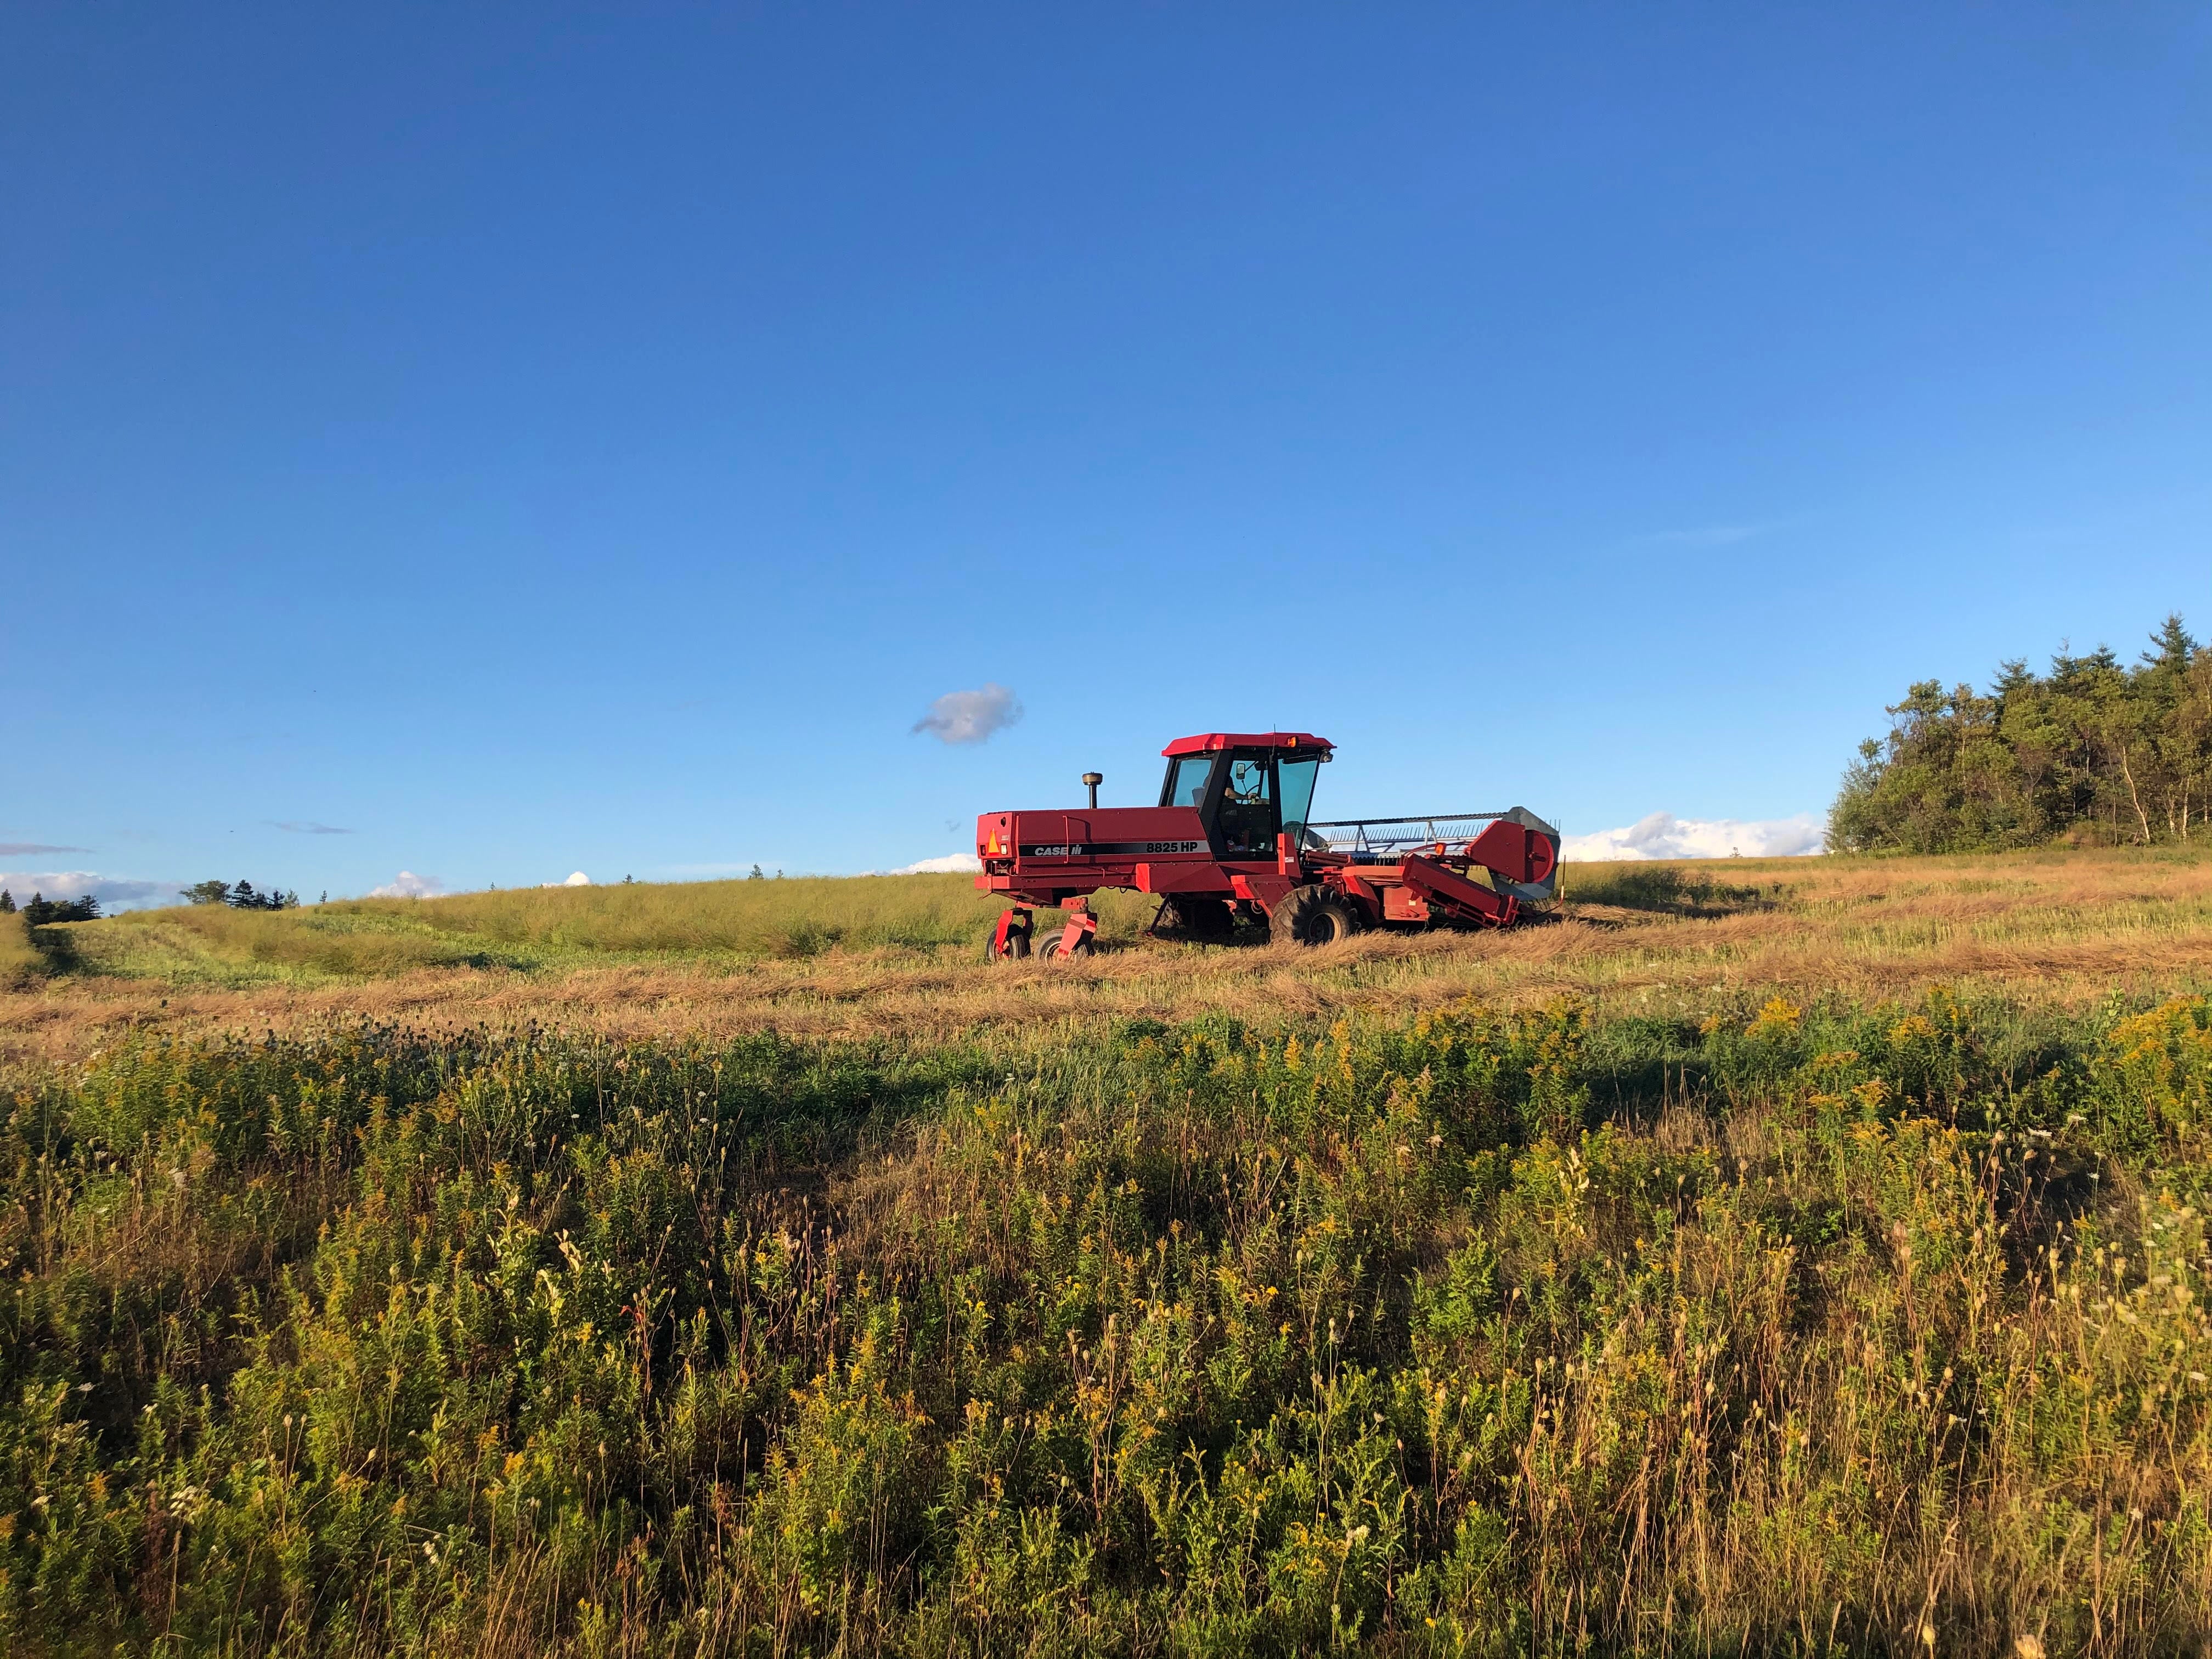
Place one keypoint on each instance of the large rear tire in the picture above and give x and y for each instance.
(1313, 915)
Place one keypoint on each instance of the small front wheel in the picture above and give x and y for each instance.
(1313, 915)
(1013, 943)
(1050, 949)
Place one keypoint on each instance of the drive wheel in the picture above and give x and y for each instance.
(1184, 916)
(1017, 945)
(1313, 915)
(1050, 951)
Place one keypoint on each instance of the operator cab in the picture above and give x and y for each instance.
(1248, 787)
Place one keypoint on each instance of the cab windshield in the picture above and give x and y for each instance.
(1295, 788)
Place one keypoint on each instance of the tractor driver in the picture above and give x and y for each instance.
(1246, 817)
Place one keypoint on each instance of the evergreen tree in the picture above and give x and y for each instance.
(242, 896)
(41, 909)
(2094, 750)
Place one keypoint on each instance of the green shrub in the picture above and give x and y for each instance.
(1479, 1330)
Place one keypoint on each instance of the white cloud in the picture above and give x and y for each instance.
(113, 892)
(577, 878)
(951, 862)
(971, 716)
(1664, 836)
(408, 884)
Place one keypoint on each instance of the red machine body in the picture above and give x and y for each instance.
(1232, 834)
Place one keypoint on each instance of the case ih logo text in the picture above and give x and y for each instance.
(1113, 849)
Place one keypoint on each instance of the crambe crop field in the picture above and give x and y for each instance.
(1806, 1256)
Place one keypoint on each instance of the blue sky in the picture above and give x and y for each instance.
(543, 439)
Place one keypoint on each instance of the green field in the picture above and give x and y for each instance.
(727, 923)
(1721, 1305)
(533, 929)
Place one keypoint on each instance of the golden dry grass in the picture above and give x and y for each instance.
(20, 960)
(2064, 928)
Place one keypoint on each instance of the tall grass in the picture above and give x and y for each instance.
(1797, 1327)
(20, 959)
(210, 943)
(531, 927)
(778, 918)
(1673, 889)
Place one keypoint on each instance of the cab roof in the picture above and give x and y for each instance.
(1207, 742)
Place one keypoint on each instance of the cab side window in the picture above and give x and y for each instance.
(1186, 780)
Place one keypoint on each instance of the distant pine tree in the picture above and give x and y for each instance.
(240, 895)
(2175, 649)
(7, 902)
(243, 898)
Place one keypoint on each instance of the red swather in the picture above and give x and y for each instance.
(1232, 834)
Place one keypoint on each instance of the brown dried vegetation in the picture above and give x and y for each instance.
(2066, 928)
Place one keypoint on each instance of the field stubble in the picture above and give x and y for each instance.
(2067, 928)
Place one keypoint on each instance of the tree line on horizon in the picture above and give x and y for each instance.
(2095, 751)
(241, 895)
(40, 910)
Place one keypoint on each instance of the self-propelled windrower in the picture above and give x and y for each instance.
(1233, 836)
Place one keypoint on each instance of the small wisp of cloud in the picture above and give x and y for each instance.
(307, 827)
(1664, 836)
(31, 849)
(408, 884)
(971, 716)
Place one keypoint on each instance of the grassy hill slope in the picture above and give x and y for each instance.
(1806, 1257)
(536, 929)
